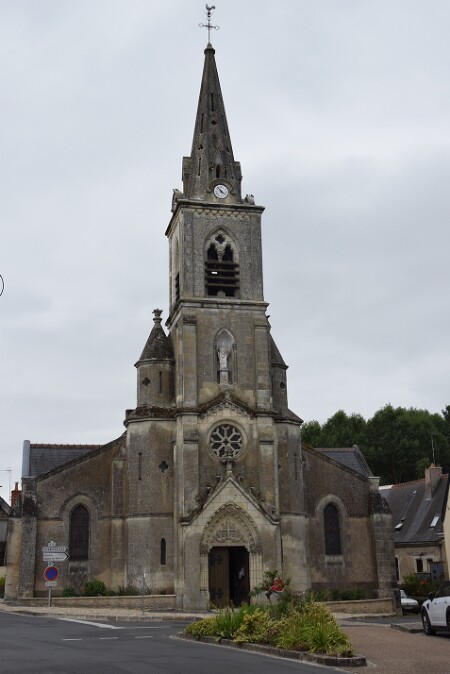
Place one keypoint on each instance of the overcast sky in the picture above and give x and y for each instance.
(339, 112)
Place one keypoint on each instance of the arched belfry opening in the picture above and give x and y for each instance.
(230, 556)
(221, 266)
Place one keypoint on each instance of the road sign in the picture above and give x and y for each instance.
(51, 573)
(51, 583)
(54, 548)
(55, 556)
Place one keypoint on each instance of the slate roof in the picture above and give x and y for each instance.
(158, 346)
(351, 457)
(414, 511)
(275, 356)
(44, 458)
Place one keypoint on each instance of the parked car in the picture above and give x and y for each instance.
(436, 610)
(409, 605)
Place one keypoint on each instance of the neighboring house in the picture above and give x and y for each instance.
(5, 511)
(417, 509)
(446, 525)
(209, 486)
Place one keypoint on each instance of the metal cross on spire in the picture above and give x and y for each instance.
(209, 25)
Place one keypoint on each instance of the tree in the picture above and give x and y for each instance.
(397, 443)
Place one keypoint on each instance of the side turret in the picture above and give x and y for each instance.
(155, 368)
(278, 377)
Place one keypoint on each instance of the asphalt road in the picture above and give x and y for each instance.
(38, 644)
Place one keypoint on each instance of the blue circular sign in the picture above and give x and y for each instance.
(51, 573)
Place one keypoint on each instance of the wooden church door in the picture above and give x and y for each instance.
(229, 581)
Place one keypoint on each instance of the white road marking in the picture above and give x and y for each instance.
(135, 627)
(146, 636)
(107, 638)
(72, 639)
(106, 626)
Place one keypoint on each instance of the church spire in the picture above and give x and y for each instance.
(211, 163)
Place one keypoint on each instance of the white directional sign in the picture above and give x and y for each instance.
(55, 556)
(54, 548)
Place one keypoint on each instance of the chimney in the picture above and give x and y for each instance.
(15, 495)
(432, 477)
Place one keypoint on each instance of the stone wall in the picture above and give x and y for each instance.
(385, 606)
(156, 602)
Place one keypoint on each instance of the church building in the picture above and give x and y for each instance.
(209, 486)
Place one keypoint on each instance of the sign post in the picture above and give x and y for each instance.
(53, 553)
(51, 574)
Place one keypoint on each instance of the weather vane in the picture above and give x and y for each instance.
(209, 25)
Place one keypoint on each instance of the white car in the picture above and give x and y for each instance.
(436, 610)
(408, 605)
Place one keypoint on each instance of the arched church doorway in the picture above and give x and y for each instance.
(229, 577)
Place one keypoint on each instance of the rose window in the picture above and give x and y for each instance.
(226, 441)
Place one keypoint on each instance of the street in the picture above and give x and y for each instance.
(37, 644)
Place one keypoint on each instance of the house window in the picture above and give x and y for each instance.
(419, 565)
(163, 555)
(79, 533)
(397, 569)
(2, 553)
(332, 530)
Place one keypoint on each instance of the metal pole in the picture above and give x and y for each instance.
(143, 592)
(49, 597)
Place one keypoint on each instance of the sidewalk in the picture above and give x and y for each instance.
(114, 614)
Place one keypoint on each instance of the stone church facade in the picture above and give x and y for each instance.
(209, 485)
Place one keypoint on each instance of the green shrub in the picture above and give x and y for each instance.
(129, 590)
(229, 620)
(313, 629)
(319, 595)
(305, 626)
(95, 588)
(348, 595)
(69, 592)
(2, 586)
(257, 627)
(202, 628)
(418, 585)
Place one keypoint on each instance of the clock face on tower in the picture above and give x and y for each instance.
(221, 191)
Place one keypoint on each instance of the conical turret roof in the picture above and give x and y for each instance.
(158, 346)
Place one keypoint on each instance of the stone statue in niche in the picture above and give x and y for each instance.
(222, 354)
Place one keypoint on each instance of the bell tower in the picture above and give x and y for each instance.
(214, 453)
(235, 433)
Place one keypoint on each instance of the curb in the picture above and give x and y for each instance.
(329, 660)
(414, 628)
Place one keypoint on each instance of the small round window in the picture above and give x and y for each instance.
(226, 440)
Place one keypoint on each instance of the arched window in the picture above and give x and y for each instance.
(163, 552)
(332, 530)
(79, 533)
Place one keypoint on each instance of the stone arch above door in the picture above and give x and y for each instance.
(230, 526)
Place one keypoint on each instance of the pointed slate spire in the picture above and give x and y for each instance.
(211, 161)
(158, 346)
